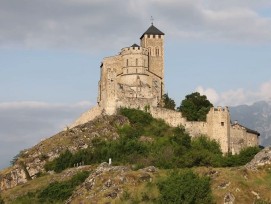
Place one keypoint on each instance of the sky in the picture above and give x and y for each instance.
(50, 53)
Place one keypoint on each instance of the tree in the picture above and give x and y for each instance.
(195, 107)
(168, 102)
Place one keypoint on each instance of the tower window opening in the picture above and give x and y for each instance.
(127, 63)
(136, 62)
(222, 123)
(149, 50)
(157, 51)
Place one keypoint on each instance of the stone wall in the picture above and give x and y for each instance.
(238, 139)
(171, 117)
(218, 120)
(88, 116)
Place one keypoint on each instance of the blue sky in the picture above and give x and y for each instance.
(50, 53)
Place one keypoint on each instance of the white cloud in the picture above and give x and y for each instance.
(210, 93)
(92, 25)
(238, 96)
(41, 105)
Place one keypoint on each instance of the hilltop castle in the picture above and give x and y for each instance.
(135, 78)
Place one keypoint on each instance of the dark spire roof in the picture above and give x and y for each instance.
(152, 30)
(135, 45)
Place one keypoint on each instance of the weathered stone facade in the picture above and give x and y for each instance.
(135, 78)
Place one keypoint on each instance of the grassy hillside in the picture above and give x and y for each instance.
(148, 157)
(140, 186)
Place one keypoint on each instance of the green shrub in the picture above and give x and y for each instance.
(185, 187)
(245, 156)
(60, 191)
(1, 200)
(55, 192)
(136, 116)
(60, 163)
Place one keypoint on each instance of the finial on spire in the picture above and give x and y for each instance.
(152, 19)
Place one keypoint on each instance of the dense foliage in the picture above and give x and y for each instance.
(242, 158)
(165, 147)
(168, 102)
(56, 192)
(1, 200)
(185, 187)
(195, 107)
(60, 191)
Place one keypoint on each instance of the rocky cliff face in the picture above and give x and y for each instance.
(261, 159)
(257, 117)
(31, 162)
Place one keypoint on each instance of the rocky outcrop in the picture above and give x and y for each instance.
(260, 159)
(108, 182)
(30, 163)
(13, 178)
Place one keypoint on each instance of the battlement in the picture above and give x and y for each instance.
(220, 109)
(134, 50)
(153, 36)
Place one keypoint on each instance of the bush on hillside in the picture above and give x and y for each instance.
(245, 156)
(185, 187)
(60, 191)
(56, 192)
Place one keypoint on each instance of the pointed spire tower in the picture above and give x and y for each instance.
(153, 40)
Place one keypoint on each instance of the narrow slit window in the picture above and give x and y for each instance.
(157, 51)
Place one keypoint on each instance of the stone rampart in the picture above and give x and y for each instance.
(88, 116)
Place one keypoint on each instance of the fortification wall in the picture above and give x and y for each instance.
(175, 119)
(196, 128)
(88, 116)
(237, 139)
(218, 122)
(251, 140)
(171, 117)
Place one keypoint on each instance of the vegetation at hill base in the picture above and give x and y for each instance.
(147, 141)
(56, 192)
(195, 107)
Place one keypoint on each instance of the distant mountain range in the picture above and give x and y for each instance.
(257, 117)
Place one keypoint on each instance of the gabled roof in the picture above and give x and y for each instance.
(152, 30)
(247, 129)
